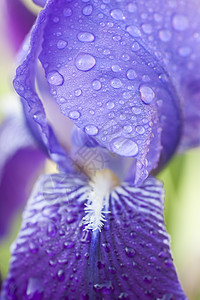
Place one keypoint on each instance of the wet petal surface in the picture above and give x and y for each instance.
(53, 257)
(105, 81)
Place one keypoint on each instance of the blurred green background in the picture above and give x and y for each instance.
(181, 181)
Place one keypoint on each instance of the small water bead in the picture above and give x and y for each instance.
(110, 104)
(106, 52)
(117, 14)
(135, 47)
(60, 275)
(96, 85)
(133, 30)
(55, 78)
(140, 129)
(87, 10)
(34, 287)
(67, 12)
(123, 146)
(147, 28)
(131, 74)
(125, 57)
(131, 7)
(127, 128)
(85, 37)
(74, 114)
(78, 92)
(56, 19)
(61, 44)
(184, 51)
(116, 68)
(116, 83)
(117, 38)
(130, 252)
(147, 94)
(165, 35)
(104, 288)
(180, 22)
(91, 130)
(85, 62)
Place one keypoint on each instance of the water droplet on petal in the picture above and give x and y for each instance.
(85, 62)
(78, 92)
(110, 104)
(136, 110)
(87, 10)
(116, 83)
(91, 130)
(96, 85)
(147, 28)
(131, 74)
(135, 47)
(131, 7)
(184, 51)
(123, 146)
(130, 252)
(55, 78)
(165, 35)
(117, 14)
(34, 289)
(127, 128)
(67, 12)
(85, 37)
(104, 288)
(147, 94)
(134, 31)
(140, 129)
(180, 22)
(74, 114)
(61, 44)
(116, 68)
(60, 275)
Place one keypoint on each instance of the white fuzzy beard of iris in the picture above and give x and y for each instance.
(97, 205)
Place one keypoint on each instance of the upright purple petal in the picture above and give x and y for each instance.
(18, 21)
(54, 258)
(20, 163)
(105, 81)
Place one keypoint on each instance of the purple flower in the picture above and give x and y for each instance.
(123, 73)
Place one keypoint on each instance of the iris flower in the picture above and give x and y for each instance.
(110, 91)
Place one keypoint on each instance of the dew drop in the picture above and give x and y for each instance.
(96, 85)
(87, 10)
(91, 130)
(61, 44)
(78, 92)
(60, 275)
(116, 68)
(116, 83)
(140, 129)
(123, 146)
(85, 62)
(131, 74)
(147, 28)
(104, 288)
(135, 47)
(134, 31)
(68, 244)
(165, 35)
(74, 114)
(85, 37)
(34, 289)
(55, 78)
(51, 229)
(130, 252)
(147, 94)
(127, 128)
(180, 22)
(184, 51)
(131, 7)
(117, 14)
(110, 104)
(67, 12)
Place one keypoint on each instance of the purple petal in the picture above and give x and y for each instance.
(20, 163)
(18, 21)
(54, 258)
(40, 2)
(170, 32)
(106, 82)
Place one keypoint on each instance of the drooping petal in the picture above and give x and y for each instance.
(20, 163)
(105, 81)
(33, 107)
(54, 258)
(170, 32)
